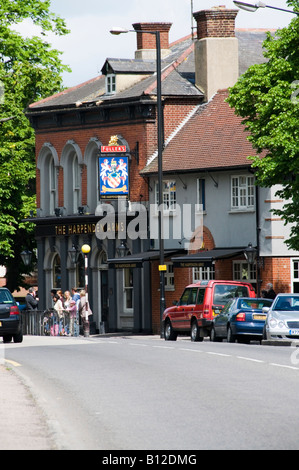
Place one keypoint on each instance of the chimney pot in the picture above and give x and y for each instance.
(146, 43)
(216, 50)
(215, 22)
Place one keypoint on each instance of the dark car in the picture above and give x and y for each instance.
(241, 319)
(10, 318)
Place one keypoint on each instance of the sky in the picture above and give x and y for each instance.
(89, 43)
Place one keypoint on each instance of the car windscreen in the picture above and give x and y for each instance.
(287, 303)
(6, 297)
(256, 304)
(225, 292)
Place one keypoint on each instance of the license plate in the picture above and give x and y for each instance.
(259, 317)
(294, 332)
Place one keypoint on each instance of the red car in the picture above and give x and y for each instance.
(198, 305)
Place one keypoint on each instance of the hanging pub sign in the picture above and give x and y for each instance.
(114, 170)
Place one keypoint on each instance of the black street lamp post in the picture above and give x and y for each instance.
(162, 266)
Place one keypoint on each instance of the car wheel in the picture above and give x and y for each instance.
(231, 338)
(7, 338)
(213, 336)
(264, 332)
(195, 332)
(169, 334)
(18, 338)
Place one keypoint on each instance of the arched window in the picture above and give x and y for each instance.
(53, 200)
(48, 165)
(76, 184)
(71, 161)
(92, 162)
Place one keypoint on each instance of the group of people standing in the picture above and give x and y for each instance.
(68, 306)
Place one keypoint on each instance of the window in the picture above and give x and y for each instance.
(168, 195)
(169, 277)
(76, 184)
(72, 181)
(206, 273)
(110, 84)
(189, 296)
(128, 289)
(243, 271)
(201, 296)
(295, 275)
(56, 272)
(225, 292)
(201, 197)
(242, 192)
(52, 186)
(185, 297)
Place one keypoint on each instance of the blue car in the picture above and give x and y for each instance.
(241, 319)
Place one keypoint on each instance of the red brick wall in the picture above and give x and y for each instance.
(148, 41)
(218, 22)
(278, 272)
(145, 133)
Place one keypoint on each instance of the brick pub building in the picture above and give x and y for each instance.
(120, 107)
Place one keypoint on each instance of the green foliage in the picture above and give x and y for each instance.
(267, 99)
(29, 71)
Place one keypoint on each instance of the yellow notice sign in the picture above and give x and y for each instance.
(162, 267)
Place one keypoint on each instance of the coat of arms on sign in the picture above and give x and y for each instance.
(114, 171)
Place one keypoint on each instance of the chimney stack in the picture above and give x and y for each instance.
(216, 50)
(146, 43)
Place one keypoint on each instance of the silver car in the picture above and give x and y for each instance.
(283, 318)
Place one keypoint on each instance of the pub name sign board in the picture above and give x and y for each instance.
(114, 170)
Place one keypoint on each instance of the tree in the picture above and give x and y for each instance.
(29, 70)
(266, 96)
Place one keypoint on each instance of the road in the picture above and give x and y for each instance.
(140, 392)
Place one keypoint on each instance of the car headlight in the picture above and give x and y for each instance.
(272, 322)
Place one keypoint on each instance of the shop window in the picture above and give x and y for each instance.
(56, 272)
(203, 273)
(128, 289)
(243, 271)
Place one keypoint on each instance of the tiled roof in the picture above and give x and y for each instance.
(177, 78)
(213, 138)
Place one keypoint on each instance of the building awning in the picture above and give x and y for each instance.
(137, 260)
(206, 258)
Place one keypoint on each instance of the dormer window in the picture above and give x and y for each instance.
(110, 84)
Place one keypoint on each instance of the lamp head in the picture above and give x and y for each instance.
(249, 7)
(116, 30)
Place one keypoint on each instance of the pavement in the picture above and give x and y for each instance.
(23, 424)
